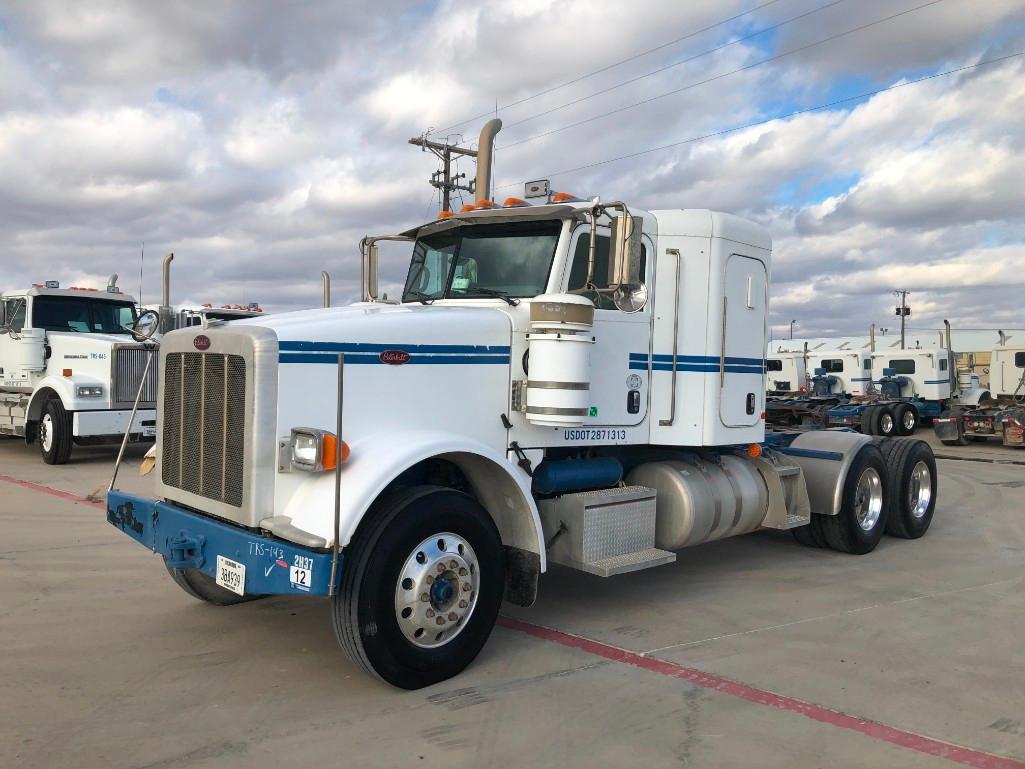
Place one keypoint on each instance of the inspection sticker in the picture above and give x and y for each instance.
(231, 575)
(300, 573)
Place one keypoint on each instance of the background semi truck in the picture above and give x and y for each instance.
(999, 413)
(70, 369)
(577, 383)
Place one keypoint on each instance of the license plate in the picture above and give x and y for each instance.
(231, 575)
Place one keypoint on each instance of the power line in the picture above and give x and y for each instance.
(697, 83)
(680, 63)
(606, 68)
(786, 116)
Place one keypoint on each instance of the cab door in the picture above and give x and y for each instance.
(742, 364)
(619, 393)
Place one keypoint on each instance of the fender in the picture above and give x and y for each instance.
(65, 389)
(973, 396)
(375, 461)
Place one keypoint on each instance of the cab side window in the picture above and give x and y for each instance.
(1019, 360)
(903, 366)
(832, 365)
(773, 365)
(14, 314)
(578, 268)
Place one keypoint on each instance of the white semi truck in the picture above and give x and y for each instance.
(572, 383)
(70, 369)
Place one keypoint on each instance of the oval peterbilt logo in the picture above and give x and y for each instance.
(394, 357)
(201, 342)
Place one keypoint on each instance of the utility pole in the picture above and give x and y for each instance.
(443, 179)
(903, 311)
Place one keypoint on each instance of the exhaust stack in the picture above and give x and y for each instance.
(872, 338)
(166, 313)
(112, 283)
(327, 287)
(485, 154)
(951, 368)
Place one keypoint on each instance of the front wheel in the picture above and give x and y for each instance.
(55, 433)
(421, 587)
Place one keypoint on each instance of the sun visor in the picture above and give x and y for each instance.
(490, 215)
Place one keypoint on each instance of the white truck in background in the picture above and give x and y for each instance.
(575, 382)
(70, 369)
(999, 412)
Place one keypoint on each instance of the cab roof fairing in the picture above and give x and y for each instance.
(99, 295)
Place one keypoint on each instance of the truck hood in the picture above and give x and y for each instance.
(375, 328)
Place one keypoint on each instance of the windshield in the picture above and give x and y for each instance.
(483, 260)
(69, 313)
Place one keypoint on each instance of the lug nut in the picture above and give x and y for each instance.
(441, 568)
(462, 571)
(424, 597)
(466, 587)
(430, 579)
(440, 620)
(462, 604)
(430, 613)
(453, 564)
(452, 616)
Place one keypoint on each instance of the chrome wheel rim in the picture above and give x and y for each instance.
(436, 590)
(919, 490)
(46, 432)
(868, 499)
(910, 421)
(886, 424)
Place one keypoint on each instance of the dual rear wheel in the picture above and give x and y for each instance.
(890, 488)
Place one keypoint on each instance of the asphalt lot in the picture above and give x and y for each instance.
(754, 651)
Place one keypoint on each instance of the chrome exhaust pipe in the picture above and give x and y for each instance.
(485, 154)
(326, 279)
(166, 317)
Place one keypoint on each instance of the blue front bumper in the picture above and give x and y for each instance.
(189, 540)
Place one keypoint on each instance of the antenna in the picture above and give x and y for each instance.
(142, 259)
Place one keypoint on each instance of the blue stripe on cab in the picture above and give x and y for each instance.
(374, 359)
(365, 347)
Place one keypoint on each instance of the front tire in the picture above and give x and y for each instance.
(421, 587)
(860, 524)
(55, 433)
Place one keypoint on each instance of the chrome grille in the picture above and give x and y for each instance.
(129, 363)
(203, 441)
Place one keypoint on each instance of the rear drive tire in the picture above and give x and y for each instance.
(811, 535)
(906, 417)
(400, 613)
(911, 487)
(883, 422)
(205, 588)
(867, 420)
(55, 433)
(860, 524)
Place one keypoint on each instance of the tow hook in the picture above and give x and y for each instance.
(186, 551)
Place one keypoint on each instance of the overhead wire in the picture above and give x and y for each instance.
(720, 76)
(688, 60)
(493, 111)
(794, 113)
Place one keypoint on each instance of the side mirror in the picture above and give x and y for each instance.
(372, 257)
(625, 261)
(145, 327)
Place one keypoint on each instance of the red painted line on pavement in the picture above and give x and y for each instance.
(53, 492)
(873, 729)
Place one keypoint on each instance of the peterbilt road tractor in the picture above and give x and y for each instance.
(999, 413)
(70, 370)
(576, 382)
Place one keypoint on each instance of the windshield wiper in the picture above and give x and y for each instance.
(421, 297)
(513, 301)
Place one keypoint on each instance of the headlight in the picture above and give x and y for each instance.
(314, 450)
(90, 391)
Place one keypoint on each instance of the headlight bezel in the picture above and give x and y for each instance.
(89, 391)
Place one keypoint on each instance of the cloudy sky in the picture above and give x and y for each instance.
(259, 140)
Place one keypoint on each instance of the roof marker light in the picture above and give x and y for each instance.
(466, 209)
(482, 204)
(514, 203)
(446, 214)
(565, 197)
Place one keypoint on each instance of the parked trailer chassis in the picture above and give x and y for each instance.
(1003, 422)
(884, 417)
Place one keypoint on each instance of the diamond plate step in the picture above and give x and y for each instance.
(622, 564)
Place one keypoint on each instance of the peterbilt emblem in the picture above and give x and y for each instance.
(394, 357)
(201, 342)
